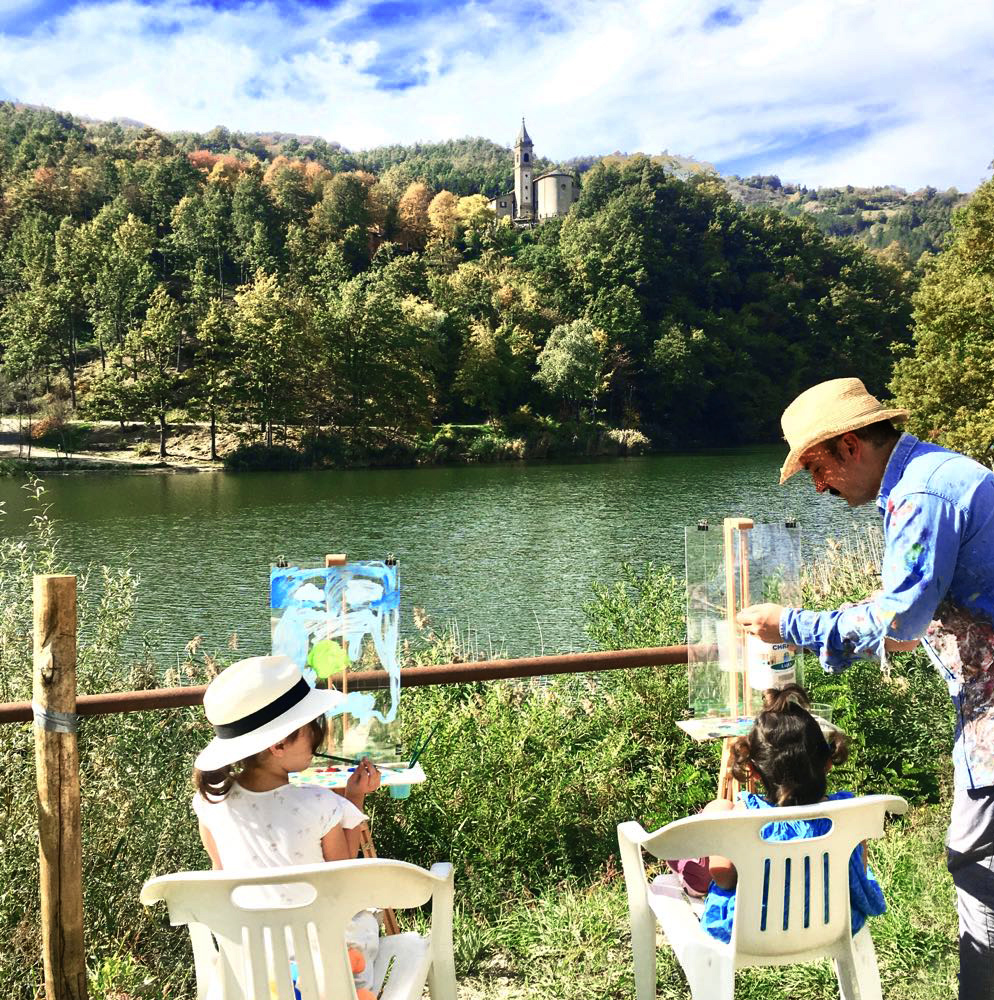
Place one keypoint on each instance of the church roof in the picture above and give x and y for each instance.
(523, 135)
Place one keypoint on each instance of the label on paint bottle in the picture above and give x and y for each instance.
(769, 665)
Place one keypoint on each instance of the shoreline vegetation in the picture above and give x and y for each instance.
(528, 781)
(85, 446)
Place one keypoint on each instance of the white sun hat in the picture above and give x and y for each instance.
(255, 703)
(825, 411)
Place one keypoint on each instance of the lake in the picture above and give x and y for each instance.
(507, 552)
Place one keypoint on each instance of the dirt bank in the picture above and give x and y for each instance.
(102, 445)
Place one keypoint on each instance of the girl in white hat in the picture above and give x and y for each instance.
(268, 721)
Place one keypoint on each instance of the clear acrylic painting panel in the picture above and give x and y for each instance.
(772, 554)
(333, 621)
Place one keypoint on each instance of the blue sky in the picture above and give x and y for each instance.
(819, 91)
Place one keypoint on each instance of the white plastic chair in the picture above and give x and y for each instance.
(256, 938)
(800, 926)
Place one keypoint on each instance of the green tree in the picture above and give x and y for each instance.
(256, 238)
(494, 367)
(947, 380)
(201, 235)
(345, 204)
(276, 354)
(571, 365)
(154, 384)
(123, 276)
(380, 346)
(68, 299)
(212, 377)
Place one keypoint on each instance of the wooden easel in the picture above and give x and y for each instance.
(736, 597)
(366, 845)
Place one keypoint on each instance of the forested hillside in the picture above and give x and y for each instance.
(880, 217)
(364, 294)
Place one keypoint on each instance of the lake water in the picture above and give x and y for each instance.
(507, 552)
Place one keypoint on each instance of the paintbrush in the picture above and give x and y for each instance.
(353, 761)
(420, 749)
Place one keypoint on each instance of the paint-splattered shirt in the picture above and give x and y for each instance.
(938, 582)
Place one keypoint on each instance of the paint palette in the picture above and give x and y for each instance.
(720, 728)
(337, 775)
(717, 728)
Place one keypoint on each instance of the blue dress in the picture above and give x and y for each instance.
(865, 896)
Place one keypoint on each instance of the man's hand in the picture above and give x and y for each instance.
(762, 620)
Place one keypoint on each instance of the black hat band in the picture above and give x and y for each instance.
(286, 701)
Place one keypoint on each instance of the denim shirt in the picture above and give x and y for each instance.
(938, 585)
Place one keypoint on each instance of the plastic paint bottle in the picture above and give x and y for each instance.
(769, 665)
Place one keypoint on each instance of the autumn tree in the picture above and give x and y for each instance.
(412, 215)
(443, 214)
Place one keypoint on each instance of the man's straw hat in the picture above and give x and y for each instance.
(826, 410)
(255, 703)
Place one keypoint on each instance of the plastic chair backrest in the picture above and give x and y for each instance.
(792, 896)
(258, 933)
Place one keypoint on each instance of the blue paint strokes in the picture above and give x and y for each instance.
(347, 604)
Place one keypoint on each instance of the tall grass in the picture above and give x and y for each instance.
(527, 783)
(134, 775)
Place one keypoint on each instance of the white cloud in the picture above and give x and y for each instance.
(911, 84)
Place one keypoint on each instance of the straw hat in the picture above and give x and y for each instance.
(255, 703)
(826, 410)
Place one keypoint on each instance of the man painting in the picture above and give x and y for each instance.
(937, 588)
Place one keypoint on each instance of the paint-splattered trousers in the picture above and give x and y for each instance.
(970, 859)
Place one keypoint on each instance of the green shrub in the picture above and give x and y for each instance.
(521, 423)
(529, 780)
(494, 447)
(646, 607)
(445, 445)
(261, 457)
(323, 449)
(626, 442)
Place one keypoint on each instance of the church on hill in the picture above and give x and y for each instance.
(534, 198)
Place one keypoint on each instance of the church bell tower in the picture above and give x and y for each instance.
(524, 188)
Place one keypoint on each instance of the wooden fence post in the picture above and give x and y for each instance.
(57, 763)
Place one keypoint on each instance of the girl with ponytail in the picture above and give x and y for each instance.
(789, 756)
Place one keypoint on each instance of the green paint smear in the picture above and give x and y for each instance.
(326, 658)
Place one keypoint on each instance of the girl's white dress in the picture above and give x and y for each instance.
(284, 827)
